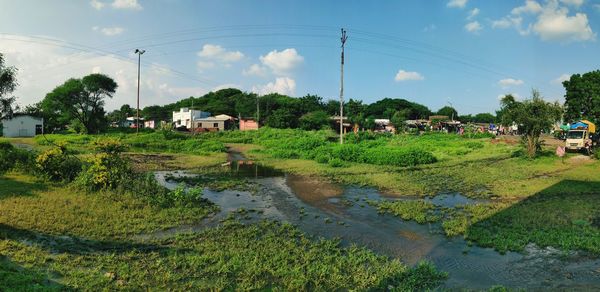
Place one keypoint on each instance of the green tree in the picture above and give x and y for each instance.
(484, 118)
(332, 107)
(81, 101)
(8, 84)
(281, 118)
(399, 118)
(314, 120)
(582, 98)
(533, 116)
(370, 123)
(448, 111)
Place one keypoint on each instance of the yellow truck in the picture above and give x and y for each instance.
(581, 136)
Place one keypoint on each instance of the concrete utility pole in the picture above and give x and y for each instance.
(343, 39)
(257, 111)
(137, 116)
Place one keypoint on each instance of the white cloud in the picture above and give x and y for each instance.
(510, 82)
(97, 4)
(109, 31)
(282, 62)
(126, 4)
(554, 24)
(530, 6)
(515, 95)
(218, 53)
(282, 85)
(473, 27)
(43, 67)
(407, 76)
(457, 3)
(473, 13)
(575, 3)
(560, 79)
(255, 70)
(225, 86)
(551, 21)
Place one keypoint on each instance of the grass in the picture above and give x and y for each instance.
(53, 237)
(413, 210)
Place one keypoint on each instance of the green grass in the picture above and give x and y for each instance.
(55, 237)
(413, 210)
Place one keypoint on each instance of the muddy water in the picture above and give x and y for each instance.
(333, 211)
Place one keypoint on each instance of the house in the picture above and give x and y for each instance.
(185, 116)
(22, 126)
(347, 126)
(130, 122)
(384, 125)
(212, 124)
(248, 124)
(151, 124)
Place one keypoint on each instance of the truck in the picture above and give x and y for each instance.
(581, 136)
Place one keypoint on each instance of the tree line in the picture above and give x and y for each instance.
(78, 104)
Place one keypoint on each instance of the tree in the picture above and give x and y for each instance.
(314, 120)
(399, 118)
(81, 101)
(281, 118)
(8, 84)
(448, 111)
(533, 116)
(582, 98)
(484, 118)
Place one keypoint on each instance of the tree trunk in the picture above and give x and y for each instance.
(531, 145)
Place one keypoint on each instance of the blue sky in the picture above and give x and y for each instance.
(466, 52)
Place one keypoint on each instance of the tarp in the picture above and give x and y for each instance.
(564, 127)
(584, 125)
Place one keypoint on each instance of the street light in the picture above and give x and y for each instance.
(137, 118)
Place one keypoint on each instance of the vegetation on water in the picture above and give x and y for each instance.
(413, 210)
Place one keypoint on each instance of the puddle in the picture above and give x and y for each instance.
(333, 211)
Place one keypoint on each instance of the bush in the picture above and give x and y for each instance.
(105, 171)
(397, 157)
(57, 165)
(336, 162)
(11, 157)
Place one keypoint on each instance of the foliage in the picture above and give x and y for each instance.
(11, 157)
(314, 120)
(8, 84)
(533, 116)
(447, 111)
(582, 98)
(56, 164)
(80, 100)
(281, 118)
(414, 110)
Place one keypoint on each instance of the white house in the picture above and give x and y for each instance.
(22, 126)
(185, 116)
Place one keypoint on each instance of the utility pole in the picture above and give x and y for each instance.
(137, 116)
(257, 111)
(343, 39)
(192, 116)
(452, 110)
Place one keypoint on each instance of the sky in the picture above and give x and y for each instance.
(465, 53)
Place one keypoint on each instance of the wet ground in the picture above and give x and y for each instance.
(333, 211)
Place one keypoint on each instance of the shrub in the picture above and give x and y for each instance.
(398, 157)
(336, 162)
(7, 157)
(323, 158)
(105, 171)
(58, 165)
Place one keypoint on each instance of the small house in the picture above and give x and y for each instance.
(22, 126)
(212, 124)
(248, 124)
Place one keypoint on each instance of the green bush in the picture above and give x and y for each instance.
(58, 165)
(397, 157)
(10, 156)
(336, 162)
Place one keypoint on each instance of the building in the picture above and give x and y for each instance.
(248, 124)
(212, 124)
(130, 122)
(384, 125)
(185, 116)
(22, 126)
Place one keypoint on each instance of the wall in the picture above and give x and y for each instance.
(21, 126)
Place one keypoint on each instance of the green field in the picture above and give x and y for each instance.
(55, 235)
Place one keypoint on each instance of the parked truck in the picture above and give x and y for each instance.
(582, 136)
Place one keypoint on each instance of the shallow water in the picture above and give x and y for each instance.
(333, 211)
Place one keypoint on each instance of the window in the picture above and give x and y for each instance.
(215, 125)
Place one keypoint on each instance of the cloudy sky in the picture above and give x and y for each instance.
(466, 52)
